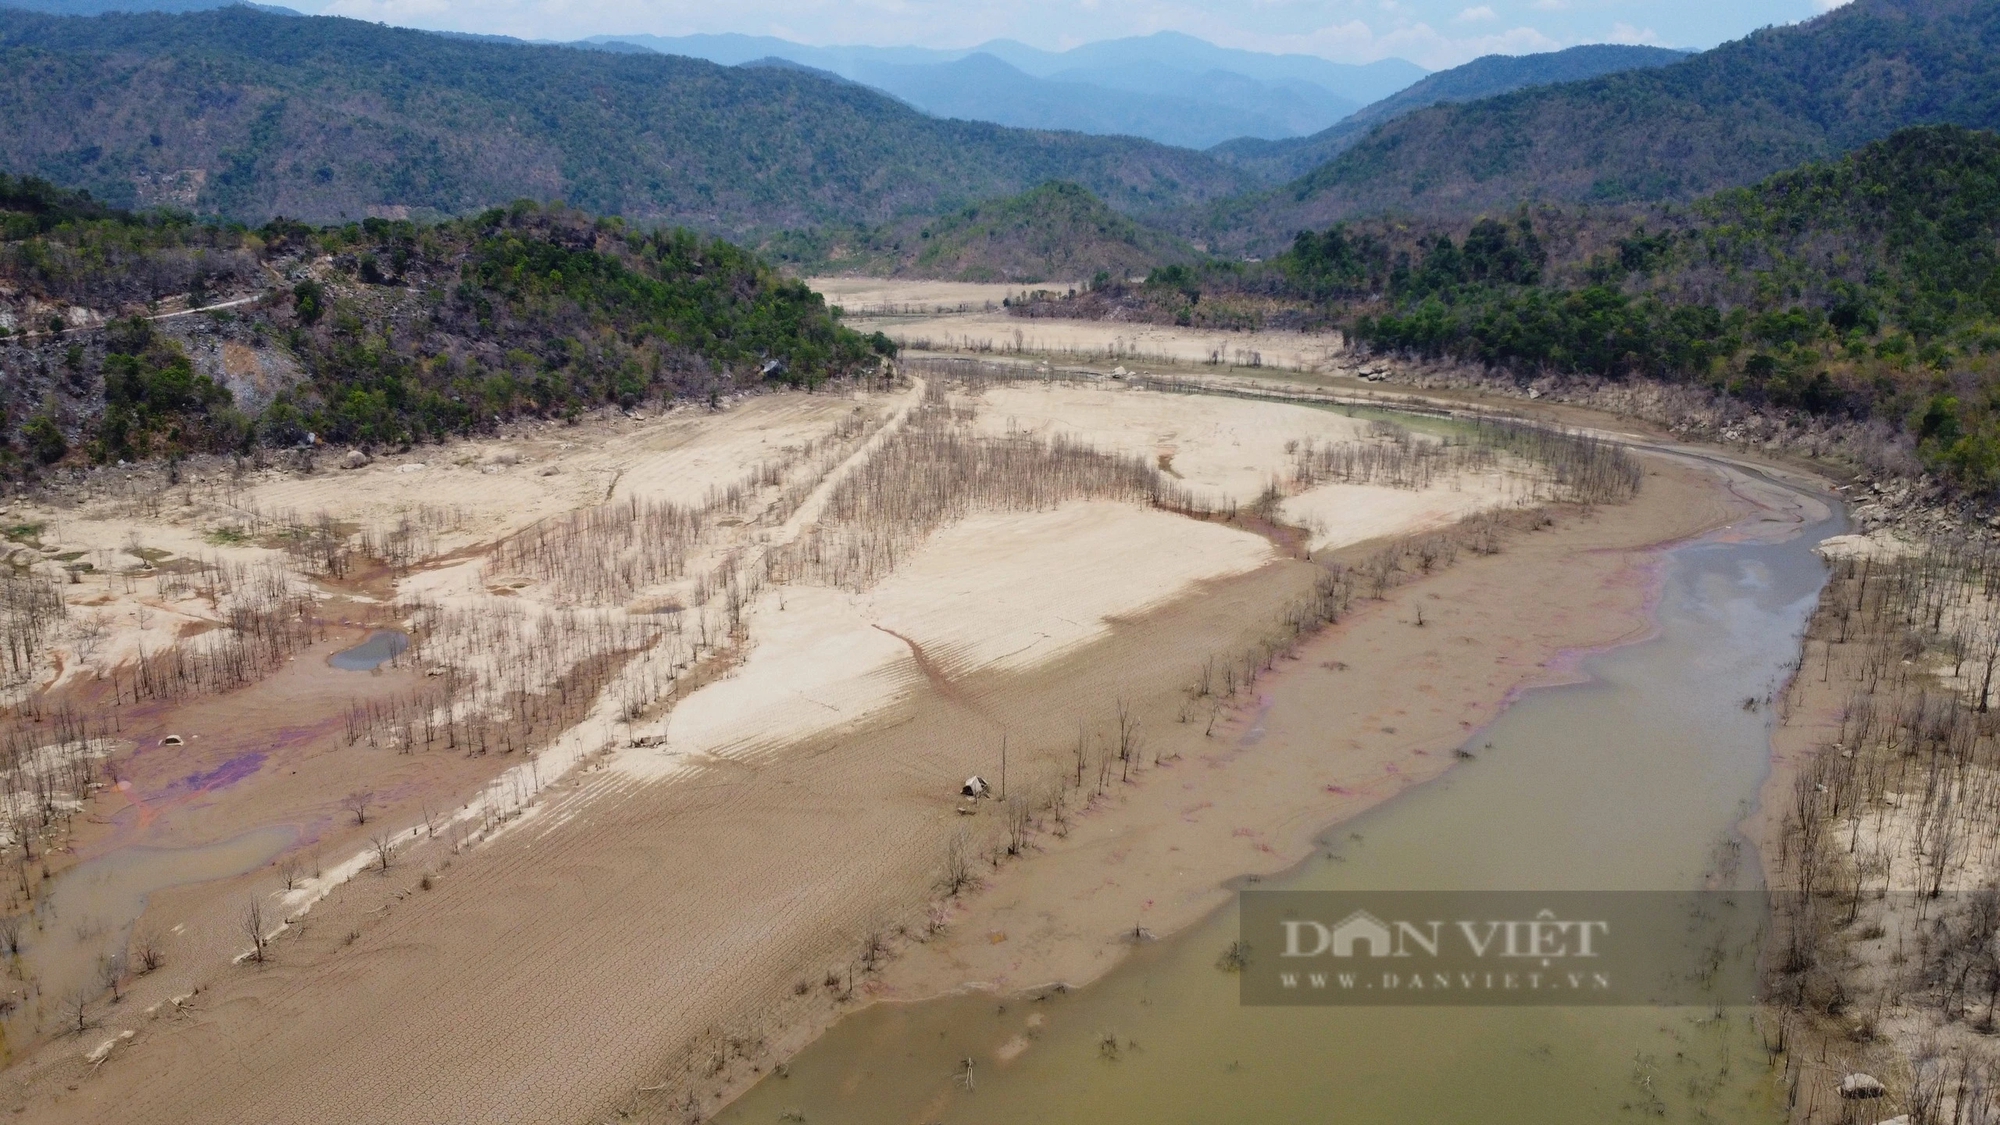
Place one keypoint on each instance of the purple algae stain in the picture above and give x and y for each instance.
(1256, 732)
(228, 773)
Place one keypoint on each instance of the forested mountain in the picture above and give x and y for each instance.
(1057, 232)
(1866, 287)
(1165, 87)
(248, 115)
(374, 332)
(1481, 78)
(1725, 117)
(100, 7)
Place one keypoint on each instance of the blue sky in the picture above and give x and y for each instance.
(1434, 33)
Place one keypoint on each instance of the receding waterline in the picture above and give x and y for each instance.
(1632, 780)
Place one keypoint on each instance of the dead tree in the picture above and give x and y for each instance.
(357, 803)
(253, 927)
(383, 844)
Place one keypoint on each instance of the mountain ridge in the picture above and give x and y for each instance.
(1166, 87)
(1483, 77)
(1728, 116)
(246, 115)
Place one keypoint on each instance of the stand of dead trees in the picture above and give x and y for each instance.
(936, 470)
(1113, 747)
(30, 609)
(266, 616)
(1555, 465)
(1888, 885)
(604, 554)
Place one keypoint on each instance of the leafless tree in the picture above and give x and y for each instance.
(383, 844)
(1019, 816)
(254, 928)
(357, 803)
(90, 632)
(111, 974)
(146, 950)
(957, 874)
(1128, 739)
(76, 1010)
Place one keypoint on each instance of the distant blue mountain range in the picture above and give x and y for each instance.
(1273, 116)
(1167, 87)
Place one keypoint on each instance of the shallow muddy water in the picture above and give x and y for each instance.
(87, 915)
(382, 646)
(1631, 780)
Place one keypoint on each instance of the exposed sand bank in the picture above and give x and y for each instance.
(863, 295)
(694, 871)
(1370, 707)
(480, 490)
(1227, 449)
(1113, 341)
(774, 862)
(996, 591)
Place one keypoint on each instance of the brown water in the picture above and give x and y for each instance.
(88, 914)
(1633, 780)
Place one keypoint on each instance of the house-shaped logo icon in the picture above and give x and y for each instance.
(1366, 929)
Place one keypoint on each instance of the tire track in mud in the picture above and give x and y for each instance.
(934, 675)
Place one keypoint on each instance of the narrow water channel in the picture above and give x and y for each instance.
(1633, 780)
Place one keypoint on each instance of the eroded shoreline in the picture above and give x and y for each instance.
(770, 853)
(1156, 861)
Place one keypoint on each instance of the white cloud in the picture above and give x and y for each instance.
(1551, 5)
(1476, 15)
(1627, 34)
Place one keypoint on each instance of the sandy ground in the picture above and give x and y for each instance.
(1369, 708)
(698, 913)
(1230, 450)
(1109, 341)
(481, 490)
(1224, 449)
(997, 591)
(1339, 515)
(454, 496)
(945, 316)
(861, 295)
(695, 875)
(1880, 839)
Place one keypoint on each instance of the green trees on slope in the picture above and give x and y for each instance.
(1865, 286)
(404, 332)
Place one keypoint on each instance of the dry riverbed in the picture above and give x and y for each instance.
(677, 746)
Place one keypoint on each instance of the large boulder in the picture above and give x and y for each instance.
(1862, 1086)
(354, 459)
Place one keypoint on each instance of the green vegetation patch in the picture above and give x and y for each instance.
(418, 332)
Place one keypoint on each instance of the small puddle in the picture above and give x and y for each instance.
(382, 646)
(87, 915)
